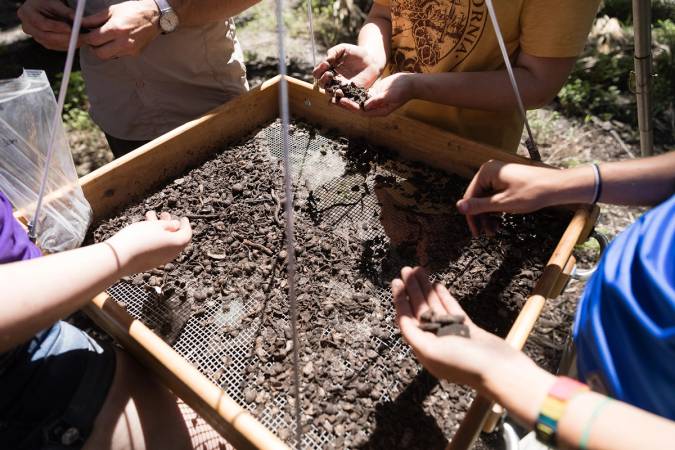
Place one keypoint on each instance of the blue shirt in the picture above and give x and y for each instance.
(625, 324)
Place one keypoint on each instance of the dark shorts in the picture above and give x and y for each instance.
(52, 388)
(121, 147)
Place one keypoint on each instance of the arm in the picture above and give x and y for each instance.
(126, 28)
(505, 375)
(516, 188)
(375, 35)
(539, 80)
(38, 292)
(362, 63)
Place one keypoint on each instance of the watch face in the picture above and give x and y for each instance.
(168, 21)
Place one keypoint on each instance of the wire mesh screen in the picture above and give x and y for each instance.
(395, 223)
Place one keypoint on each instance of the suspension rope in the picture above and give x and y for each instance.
(530, 143)
(290, 224)
(310, 18)
(72, 46)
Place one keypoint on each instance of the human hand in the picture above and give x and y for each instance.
(389, 94)
(144, 245)
(506, 187)
(473, 360)
(351, 63)
(124, 29)
(47, 21)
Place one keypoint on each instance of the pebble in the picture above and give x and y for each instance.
(250, 395)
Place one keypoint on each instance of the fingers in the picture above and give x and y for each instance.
(405, 317)
(447, 300)
(60, 9)
(378, 105)
(48, 39)
(414, 290)
(474, 225)
(151, 216)
(184, 233)
(165, 216)
(349, 104)
(326, 78)
(335, 55)
(111, 50)
(430, 295)
(320, 70)
(479, 205)
(54, 26)
(96, 20)
(98, 37)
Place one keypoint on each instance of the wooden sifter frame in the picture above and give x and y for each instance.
(134, 175)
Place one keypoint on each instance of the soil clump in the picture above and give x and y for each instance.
(347, 89)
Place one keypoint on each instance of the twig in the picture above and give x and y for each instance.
(257, 246)
(623, 145)
(277, 207)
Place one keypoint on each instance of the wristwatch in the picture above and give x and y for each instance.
(168, 19)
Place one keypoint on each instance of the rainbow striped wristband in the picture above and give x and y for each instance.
(553, 408)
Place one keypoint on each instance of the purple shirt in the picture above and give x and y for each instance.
(14, 242)
(14, 246)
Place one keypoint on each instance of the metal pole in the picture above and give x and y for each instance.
(642, 19)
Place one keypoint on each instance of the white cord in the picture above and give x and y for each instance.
(531, 144)
(72, 46)
(290, 224)
(310, 18)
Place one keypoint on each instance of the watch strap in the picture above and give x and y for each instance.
(163, 5)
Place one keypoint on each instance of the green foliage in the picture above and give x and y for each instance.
(337, 21)
(623, 9)
(75, 115)
(599, 83)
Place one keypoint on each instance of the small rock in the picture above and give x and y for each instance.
(308, 370)
(250, 395)
(199, 295)
(237, 188)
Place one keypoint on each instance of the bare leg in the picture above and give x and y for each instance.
(139, 413)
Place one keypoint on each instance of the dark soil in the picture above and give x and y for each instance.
(444, 324)
(345, 89)
(361, 386)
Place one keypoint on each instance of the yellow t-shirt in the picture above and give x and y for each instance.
(435, 36)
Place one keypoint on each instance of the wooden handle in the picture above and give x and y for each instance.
(477, 415)
(233, 422)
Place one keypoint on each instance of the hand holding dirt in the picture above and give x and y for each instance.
(444, 324)
(342, 92)
(446, 342)
(351, 62)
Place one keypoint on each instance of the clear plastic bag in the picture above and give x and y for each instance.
(27, 108)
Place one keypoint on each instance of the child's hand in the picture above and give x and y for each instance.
(144, 245)
(390, 93)
(351, 62)
(510, 188)
(475, 360)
